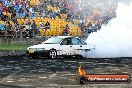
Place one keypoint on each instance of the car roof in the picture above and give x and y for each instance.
(63, 36)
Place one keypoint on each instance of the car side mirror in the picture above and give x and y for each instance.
(61, 43)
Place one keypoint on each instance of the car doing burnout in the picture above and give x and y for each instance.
(59, 46)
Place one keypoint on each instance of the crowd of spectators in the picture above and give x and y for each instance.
(61, 17)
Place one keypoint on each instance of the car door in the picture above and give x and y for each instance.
(66, 47)
(78, 45)
(83, 44)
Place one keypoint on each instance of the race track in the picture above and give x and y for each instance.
(22, 72)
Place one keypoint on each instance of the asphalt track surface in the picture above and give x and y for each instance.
(23, 72)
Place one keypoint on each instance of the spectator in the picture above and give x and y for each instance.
(59, 11)
(52, 15)
(34, 27)
(65, 32)
(97, 25)
(31, 10)
(41, 25)
(2, 27)
(47, 25)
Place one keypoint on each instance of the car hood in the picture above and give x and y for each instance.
(46, 46)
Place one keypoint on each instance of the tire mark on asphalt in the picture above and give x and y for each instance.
(26, 67)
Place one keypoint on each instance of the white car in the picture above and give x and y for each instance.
(59, 46)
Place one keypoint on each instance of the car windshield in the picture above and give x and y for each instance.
(54, 40)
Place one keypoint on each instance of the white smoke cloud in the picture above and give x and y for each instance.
(114, 39)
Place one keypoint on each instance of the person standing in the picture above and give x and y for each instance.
(34, 28)
(65, 31)
(47, 25)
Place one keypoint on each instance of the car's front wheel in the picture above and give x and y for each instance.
(52, 54)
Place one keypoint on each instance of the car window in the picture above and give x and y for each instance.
(66, 41)
(78, 41)
(75, 41)
(53, 40)
(83, 42)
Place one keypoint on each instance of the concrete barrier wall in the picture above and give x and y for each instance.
(19, 40)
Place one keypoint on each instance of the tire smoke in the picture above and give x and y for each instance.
(114, 39)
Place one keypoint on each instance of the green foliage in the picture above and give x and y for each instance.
(14, 46)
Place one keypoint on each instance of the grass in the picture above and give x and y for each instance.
(13, 46)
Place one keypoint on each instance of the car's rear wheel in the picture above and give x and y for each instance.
(79, 57)
(52, 54)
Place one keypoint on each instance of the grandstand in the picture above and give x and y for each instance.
(28, 18)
